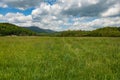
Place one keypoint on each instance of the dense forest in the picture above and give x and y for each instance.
(7, 29)
(10, 29)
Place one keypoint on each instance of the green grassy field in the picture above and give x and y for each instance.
(46, 58)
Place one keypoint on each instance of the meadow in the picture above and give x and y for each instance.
(59, 58)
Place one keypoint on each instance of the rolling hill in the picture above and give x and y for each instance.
(106, 32)
(11, 29)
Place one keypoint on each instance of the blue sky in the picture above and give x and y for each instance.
(4, 11)
(61, 14)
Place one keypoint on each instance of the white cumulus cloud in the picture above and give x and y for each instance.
(65, 14)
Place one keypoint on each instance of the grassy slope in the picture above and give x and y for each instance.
(43, 58)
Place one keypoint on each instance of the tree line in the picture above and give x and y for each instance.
(7, 29)
(101, 32)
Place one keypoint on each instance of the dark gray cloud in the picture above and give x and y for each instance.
(22, 3)
(91, 10)
(26, 3)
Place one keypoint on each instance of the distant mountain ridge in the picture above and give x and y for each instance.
(39, 30)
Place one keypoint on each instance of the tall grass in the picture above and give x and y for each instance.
(46, 58)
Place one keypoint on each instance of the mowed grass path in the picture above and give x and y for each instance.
(47, 58)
